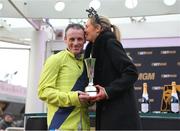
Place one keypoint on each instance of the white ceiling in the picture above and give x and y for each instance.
(76, 8)
(38, 9)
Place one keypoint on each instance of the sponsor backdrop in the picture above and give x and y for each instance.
(157, 66)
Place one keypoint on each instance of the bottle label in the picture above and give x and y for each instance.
(175, 107)
(174, 99)
(145, 100)
(144, 107)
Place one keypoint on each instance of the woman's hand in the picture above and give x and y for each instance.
(101, 94)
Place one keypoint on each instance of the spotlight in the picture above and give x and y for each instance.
(59, 6)
(131, 3)
(95, 4)
(169, 2)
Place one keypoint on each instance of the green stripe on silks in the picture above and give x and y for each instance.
(63, 112)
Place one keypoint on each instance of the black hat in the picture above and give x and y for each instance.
(8, 113)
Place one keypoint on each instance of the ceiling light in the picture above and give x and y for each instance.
(169, 2)
(59, 6)
(95, 4)
(131, 3)
(1, 6)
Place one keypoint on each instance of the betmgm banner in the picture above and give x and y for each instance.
(157, 66)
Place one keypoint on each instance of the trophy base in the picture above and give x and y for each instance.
(92, 93)
(91, 90)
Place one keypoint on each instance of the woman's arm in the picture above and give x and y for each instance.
(123, 65)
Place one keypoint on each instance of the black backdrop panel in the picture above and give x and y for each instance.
(158, 66)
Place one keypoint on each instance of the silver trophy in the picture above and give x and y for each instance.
(90, 64)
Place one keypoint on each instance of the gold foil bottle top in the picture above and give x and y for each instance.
(144, 88)
(173, 83)
(144, 84)
(173, 87)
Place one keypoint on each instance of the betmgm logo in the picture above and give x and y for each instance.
(146, 76)
(168, 75)
(178, 63)
(138, 88)
(155, 64)
(150, 100)
(144, 52)
(157, 88)
(138, 64)
(165, 52)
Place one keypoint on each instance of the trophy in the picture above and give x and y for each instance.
(90, 89)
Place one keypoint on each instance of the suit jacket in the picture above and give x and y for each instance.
(117, 74)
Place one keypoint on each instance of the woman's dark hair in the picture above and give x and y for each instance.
(104, 22)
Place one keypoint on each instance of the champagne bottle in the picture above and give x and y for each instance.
(145, 99)
(174, 99)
